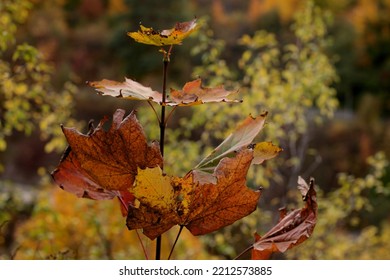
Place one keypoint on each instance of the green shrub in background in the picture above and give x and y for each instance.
(29, 103)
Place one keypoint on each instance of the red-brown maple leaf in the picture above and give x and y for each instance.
(103, 164)
(202, 206)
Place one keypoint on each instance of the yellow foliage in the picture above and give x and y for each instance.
(86, 229)
(64, 226)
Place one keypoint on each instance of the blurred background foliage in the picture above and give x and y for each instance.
(320, 68)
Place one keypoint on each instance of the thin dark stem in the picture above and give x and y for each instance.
(243, 252)
(174, 244)
(125, 206)
(170, 114)
(158, 248)
(142, 244)
(163, 107)
(154, 110)
(162, 131)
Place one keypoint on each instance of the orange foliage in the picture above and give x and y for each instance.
(365, 11)
(115, 6)
(257, 8)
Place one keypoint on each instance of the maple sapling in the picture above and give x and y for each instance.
(121, 163)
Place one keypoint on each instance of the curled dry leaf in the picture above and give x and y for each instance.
(173, 36)
(241, 137)
(103, 164)
(293, 228)
(201, 206)
(194, 93)
(129, 89)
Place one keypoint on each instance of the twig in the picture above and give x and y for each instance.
(126, 207)
(243, 252)
(154, 110)
(174, 244)
(170, 114)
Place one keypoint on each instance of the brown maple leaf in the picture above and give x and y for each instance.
(201, 206)
(103, 164)
(214, 206)
(292, 229)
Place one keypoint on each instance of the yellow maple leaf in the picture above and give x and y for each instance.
(173, 36)
(263, 151)
(153, 186)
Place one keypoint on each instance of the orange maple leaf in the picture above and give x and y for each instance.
(194, 93)
(214, 206)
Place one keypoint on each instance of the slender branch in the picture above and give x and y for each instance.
(162, 128)
(163, 107)
(174, 244)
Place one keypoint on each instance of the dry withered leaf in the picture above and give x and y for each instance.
(193, 93)
(103, 164)
(129, 89)
(293, 228)
(241, 137)
(173, 36)
(200, 206)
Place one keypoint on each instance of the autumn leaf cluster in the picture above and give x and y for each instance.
(120, 163)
